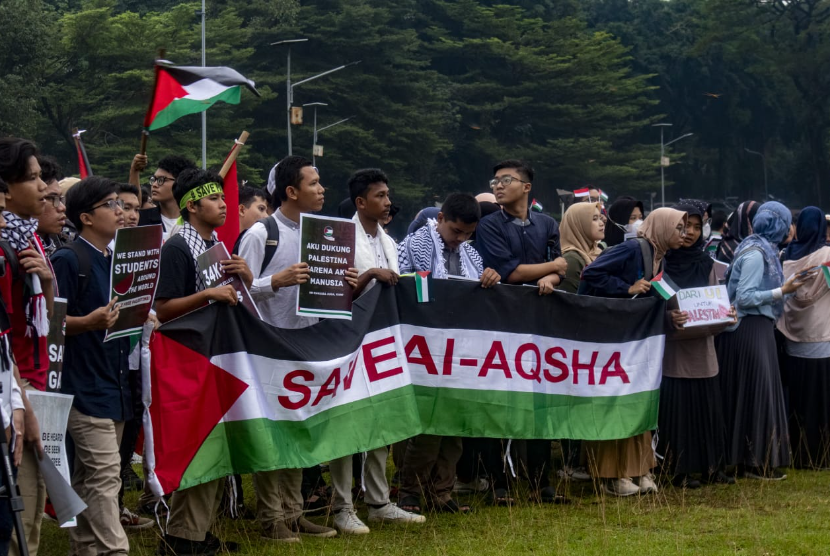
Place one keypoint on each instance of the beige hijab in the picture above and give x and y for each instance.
(658, 228)
(575, 232)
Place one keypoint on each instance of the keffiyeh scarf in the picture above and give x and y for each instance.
(20, 234)
(424, 250)
(197, 246)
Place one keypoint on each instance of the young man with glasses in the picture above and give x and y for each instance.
(523, 247)
(94, 372)
(166, 212)
(28, 297)
(53, 218)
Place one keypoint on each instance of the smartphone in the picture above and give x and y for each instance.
(809, 271)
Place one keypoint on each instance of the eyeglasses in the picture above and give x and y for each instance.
(55, 200)
(112, 204)
(505, 181)
(160, 180)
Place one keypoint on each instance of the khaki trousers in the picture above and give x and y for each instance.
(97, 480)
(278, 496)
(374, 480)
(429, 467)
(193, 510)
(33, 491)
(618, 459)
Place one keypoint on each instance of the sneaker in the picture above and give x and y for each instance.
(620, 487)
(394, 514)
(476, 485)
(279, 531)
(764, 475)
(177, 546)
(131, 480)
(581, 475)
(647, 484)
(305, 527)
(346, 521)
(131, 521)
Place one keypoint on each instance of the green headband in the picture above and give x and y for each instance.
(200, 192)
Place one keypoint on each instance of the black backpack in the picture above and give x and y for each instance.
(9, 256)
(84, 264)
(271, 242)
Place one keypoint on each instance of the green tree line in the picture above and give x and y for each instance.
(445, 88)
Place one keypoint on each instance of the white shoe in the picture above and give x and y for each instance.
(620, 487)
(477, 485)
(391, 512)
(347, 522)
(580, 474)
(647, 484)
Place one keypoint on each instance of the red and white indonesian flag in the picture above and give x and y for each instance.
(231, 394)
(183, 90)
(579, 193)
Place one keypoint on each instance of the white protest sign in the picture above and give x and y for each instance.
(705, 306)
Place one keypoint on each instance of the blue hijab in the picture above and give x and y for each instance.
(811, 231)
(770, 226)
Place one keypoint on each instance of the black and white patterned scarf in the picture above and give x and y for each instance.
(197, 246)
(423, 250)
(20, 233)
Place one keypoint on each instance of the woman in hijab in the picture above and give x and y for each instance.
(738, 226)
(625, 465)
(623, 217)
(756, 422)
(692, 439)
(581, 231)
(807, 344)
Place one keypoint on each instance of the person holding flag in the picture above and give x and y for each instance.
(181, 289)
(807, 342)
(625, 271)
(754, 408)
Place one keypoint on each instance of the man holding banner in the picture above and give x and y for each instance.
(181, 290)
(95, 372)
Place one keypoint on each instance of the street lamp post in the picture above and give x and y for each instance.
(764, 164)
(317, 131)
(204, 113)
(314, 142)
(289, 87)
(662, 159)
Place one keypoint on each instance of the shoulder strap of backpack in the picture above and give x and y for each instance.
(10, 257)
(648, 258)
(272, 240)
(84, 264)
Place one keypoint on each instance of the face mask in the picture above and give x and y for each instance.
(707, 231)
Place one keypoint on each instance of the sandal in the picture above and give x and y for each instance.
(451, 507)
(410, 504)
(501, 498)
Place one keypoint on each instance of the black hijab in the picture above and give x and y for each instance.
(690, 267)
(738, 227)
(620, 212)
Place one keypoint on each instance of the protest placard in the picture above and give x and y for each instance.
(210, 265)
(55, 341)
(133, 277)
(705, 306)
(327, 245)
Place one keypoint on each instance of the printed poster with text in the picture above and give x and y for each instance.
(210, 265)
(134, 275)
(327, 245)
(55, 341)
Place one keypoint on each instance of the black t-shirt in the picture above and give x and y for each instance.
(177, 277)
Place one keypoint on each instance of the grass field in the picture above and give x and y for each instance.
(790, 517)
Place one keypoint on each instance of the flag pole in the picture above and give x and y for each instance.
(145, 134)
(83, 159)
(237, 146)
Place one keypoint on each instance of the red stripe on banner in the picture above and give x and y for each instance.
(190, 396)
(166, 90)
(229, 231)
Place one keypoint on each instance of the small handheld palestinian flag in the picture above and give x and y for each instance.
(422, 283)
(579, 193)
(183, 90)
(536, 205)
(664, 286)
(603, 196)
(825, 269)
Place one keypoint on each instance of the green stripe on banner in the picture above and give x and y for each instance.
(184, 106)
(239, 446)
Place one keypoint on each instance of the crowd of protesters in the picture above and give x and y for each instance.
(745, 400)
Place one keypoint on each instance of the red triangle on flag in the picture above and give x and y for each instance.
(166, 90)
(190, 396)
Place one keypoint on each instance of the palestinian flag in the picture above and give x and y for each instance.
(231, 394)
(229, 231)
(422, 283)
(536, 206)
(84, 169)
(183, 90)
(825, 269)
(664, 286)
(603, 196)
(579, 193)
